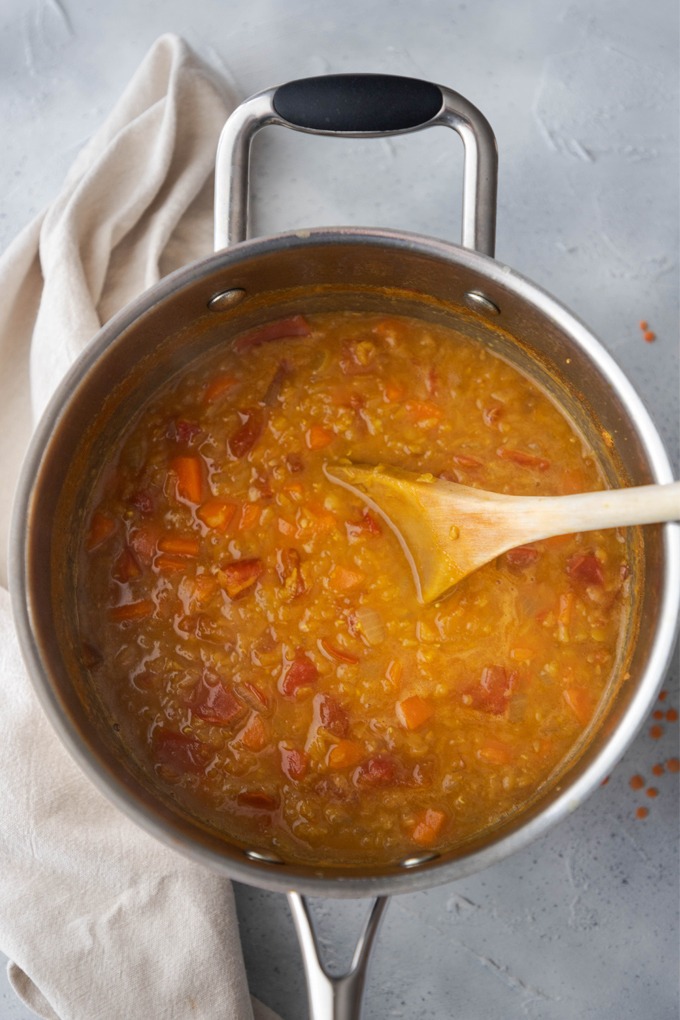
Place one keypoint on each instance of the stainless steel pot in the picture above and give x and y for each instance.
(205, 304)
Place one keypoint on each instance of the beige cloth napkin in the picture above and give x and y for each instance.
(100, 921)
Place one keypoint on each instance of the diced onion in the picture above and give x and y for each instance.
(371, 625)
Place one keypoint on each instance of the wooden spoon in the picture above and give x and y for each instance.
(447, 531)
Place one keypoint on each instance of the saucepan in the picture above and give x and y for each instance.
(250, 282)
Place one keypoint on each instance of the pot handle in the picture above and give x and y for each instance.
(358, 106)
(339, 997)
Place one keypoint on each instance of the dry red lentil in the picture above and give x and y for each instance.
(253, 631)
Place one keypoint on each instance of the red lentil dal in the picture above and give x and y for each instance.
(253, 631)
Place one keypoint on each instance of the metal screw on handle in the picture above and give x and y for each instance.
(358, 106)
(334, 998)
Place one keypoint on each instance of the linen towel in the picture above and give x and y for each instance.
(99, 920)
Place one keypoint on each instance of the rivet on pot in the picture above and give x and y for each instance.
(479, 302)
(413, 862)
(263, 857)
(226, 299)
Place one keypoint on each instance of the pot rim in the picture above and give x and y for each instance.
(304, 878)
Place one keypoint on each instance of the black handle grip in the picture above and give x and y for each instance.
(357, 103)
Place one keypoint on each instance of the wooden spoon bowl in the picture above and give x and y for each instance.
(447, 530)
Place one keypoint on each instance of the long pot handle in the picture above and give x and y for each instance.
(358, 106)
(334, 997)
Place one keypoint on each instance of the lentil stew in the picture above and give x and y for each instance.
(253, 630)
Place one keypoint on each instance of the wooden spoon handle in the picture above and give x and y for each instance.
(611, 508)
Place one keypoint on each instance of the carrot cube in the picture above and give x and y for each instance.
(345, 754)
(344, 579)
(317, 437)
(428, 826)
(216, 514)
(414, 712)
(188, 472)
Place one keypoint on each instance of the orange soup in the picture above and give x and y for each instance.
(253, 631)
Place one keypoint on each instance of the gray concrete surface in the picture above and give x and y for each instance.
(584, 101)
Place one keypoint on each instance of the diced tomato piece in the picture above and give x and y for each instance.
(240, 575)
(188, 472)
(258, 800)
(585, 568)
(332, 716)
(378, 770)
(144, 543)
(367, 525)
(524, 459)
(301, 672)
(294, 463)
(294, 762)
(317, 437)
(345, 754)
(180, 752)
(521, 557)
(215, 703)
(296, 325)
(281, 376)
(492, 693)
(143, 500)
(102, 526)
(247, 433)
(184, 431)
(428, 826)
(414, 712)
(216, 514)
(129, 611)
